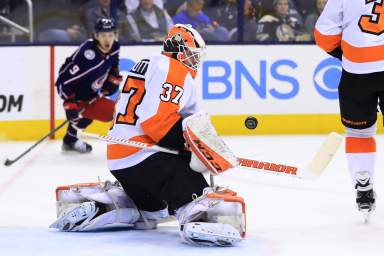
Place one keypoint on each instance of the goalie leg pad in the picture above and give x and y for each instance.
(203, 140)
(74, 216)
(210, 234)
(125, 217)
(217, 218)
(87, 206)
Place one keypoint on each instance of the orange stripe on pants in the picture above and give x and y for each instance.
(360, 145)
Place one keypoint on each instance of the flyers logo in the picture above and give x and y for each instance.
(373, 24)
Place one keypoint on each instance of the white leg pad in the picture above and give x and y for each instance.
(217, 218)
(73, 216)
(211, 234)
(124, 217)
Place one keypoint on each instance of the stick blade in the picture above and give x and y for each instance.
(8, 162)
(324, 154)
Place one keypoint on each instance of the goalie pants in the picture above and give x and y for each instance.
(161, 180)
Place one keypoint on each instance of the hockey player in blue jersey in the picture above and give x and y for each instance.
(85, 81)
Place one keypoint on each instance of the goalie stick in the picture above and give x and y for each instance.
(313, 170)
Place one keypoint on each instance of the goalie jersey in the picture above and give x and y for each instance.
(354, 32)
(158, 93)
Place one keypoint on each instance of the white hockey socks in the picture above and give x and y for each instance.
(360, 149)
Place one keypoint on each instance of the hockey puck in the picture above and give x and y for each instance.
(251, 122)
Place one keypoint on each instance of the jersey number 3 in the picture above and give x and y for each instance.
(373, 24)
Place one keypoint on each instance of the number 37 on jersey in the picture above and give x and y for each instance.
(134, 88)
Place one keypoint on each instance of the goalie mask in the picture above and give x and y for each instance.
(186, 45)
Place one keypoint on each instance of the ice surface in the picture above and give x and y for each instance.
(285, 216)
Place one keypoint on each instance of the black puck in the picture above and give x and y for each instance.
(251, 122)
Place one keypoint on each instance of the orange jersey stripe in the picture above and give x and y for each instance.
(167, 114)
(117, 151)
(360, 145)
(327, 42)
(362, 54)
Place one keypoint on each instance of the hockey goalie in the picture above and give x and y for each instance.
(158, 105)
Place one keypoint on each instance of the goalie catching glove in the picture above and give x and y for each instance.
(209, 151)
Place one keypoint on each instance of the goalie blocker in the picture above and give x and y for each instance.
(209, 151)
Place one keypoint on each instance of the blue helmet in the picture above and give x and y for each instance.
(105, 25)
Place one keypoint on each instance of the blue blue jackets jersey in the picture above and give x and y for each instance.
(83, 74)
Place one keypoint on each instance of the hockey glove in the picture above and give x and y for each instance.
(111, 85)
(72, 111)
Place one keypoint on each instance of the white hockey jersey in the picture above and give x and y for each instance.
(157, 93)
(358, 28)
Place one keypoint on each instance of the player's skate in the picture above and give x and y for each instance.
(76, 216)
(365, 197)
(78, 146)
(217, 218)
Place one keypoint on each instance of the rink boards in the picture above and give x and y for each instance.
(290, 89)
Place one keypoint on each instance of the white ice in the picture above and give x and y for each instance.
(285, 216)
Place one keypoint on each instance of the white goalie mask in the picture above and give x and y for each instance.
(186, 45)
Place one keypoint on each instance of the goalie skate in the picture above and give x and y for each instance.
(211, 234)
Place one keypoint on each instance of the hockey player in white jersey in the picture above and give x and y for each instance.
(158, 105)
(353, 31)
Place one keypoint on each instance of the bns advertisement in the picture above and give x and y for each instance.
(278, 79)
(232, 80)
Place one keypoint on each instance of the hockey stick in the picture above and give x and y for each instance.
(9, 162)
(313, 170)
